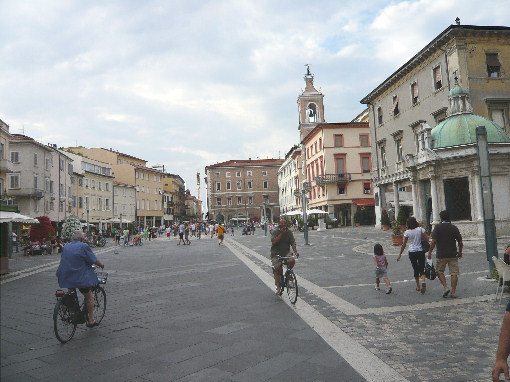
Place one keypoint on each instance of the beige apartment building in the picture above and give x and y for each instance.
(5, 161)
(149, 196)
(412, 170)
(173, 198)
(124, 203)
(338, 168)
(92, 184)
(238, 190)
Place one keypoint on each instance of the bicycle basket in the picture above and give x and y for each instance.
(102, 276)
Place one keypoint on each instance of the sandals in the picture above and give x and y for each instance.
(418, 288)
(92, 325)
(423, 288)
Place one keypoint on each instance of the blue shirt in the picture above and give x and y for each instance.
(75, 269)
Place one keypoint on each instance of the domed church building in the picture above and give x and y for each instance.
(447, 155)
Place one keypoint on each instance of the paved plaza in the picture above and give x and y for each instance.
(208, 312)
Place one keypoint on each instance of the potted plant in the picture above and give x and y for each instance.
(356, 218)
(328, 221)
(397, 236)
(385, 220)
(402, 219)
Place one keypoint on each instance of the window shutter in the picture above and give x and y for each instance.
(437, 74)
(395, 102)
(492, 59)
(415, 90)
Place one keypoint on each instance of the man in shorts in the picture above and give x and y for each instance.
(446, 237)
(281, 241)
(221, 233)
(75, 271)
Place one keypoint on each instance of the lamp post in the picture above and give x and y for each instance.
(304, 206)
(265, 218)
(489, 224)
(88, 214)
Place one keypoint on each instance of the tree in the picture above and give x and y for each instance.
(385, 219)
(42, 230)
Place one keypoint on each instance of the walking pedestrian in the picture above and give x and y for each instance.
(447, 237)
(117, 236)
(181, 234)
(381, 268)
(126, 237)
(221, 233)
(186, 233)
(414, 234)
(15, 241)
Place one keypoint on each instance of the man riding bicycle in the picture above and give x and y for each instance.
(281, 241)
(75, 271)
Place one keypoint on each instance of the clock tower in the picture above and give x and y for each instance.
(310, 106)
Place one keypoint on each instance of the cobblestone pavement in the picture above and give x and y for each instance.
(224, 336)
(423, 337)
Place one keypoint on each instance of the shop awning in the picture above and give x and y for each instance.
(364, 202)
(7, 216)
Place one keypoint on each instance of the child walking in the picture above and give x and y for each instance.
(381, 264)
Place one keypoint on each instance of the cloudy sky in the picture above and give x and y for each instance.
(187, 83)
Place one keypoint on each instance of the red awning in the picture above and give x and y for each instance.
(364, 202)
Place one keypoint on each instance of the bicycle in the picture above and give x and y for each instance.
(288, 280)
(68, 312)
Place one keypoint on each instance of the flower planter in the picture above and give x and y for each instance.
(397, 239)
(385, 227)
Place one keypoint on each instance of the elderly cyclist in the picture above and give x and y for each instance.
(281, 241)
(75, 271)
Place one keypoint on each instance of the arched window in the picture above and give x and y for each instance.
(311, 113)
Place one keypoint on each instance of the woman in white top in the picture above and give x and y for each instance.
(414, 234)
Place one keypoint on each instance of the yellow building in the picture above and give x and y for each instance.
(174, 198)
(149, 196)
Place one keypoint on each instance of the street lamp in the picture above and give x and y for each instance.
(265, 218)
(489, 224)
(88, 213)
(304, 206)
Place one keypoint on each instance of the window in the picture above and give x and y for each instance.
(394, 107)
(93, 183)
(228, 185)
(100, 185)
(2, 150)
(341, 189)
(239, 184)
(248, 173)
(363, 140)
(493, 65)
(239, 200)
(227, 174)
(229, 201)
(264, 184)
(367, 188)
(218, 175)
(35, 181)
(340, 165)
(414, 93)
(339, 140)
(14, 156)
(440, 115)
(379, 116)
(438, 83)
(14, 181)
(52, 187)
(264, 173)
(398, 146)
(87, 202)
(107, 186)
(100, 204)
(238, 173)
(136, 175)
(365, 164)
(320, 143)
(383, 155)
(250, 199)
(499, 113)
(35, 159)
(218, 201)
(80, 202)
(218, 186)
(315, 147)
(250, 184)
(148, 204)
(143, 204)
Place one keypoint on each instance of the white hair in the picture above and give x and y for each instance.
(77, 235)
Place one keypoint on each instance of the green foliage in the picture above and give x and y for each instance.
(401, 218)
(395, 227)
(70, 224)
(313, 221)
(385, 219)
(357, 216)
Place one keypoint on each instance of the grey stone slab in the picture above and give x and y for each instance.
(269, 368)
(230, 328)
(210, 374)
(21, 367)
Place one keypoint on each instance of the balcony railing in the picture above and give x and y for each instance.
(333, 178)
(27, 192)
(6, 165)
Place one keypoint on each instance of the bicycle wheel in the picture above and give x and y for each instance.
(63, 323)
(292, 287)
(99, 304)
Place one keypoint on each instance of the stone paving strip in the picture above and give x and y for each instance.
(362, 360)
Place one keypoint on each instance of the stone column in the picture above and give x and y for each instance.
(417, 212)
(435, 200)
(396, 200)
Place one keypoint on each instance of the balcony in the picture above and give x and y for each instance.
(6, 165)
(332, 178)
(27, 193)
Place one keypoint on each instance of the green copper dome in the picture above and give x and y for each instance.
(460, 129)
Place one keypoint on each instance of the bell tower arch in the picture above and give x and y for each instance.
(310, 106)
